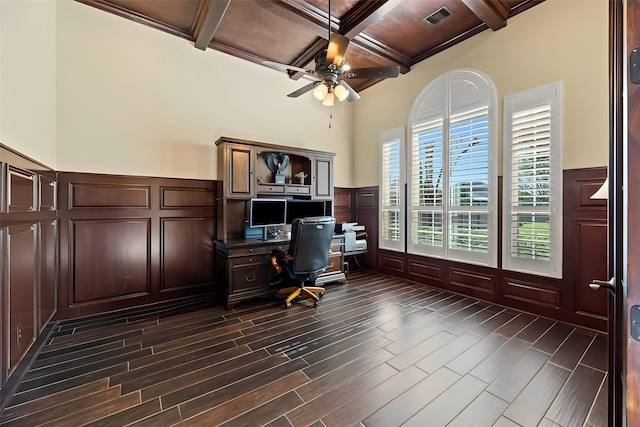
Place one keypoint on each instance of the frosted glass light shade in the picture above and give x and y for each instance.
(328, 100)
(320, 91)
(341, 92)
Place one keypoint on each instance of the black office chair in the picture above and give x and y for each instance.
(307, 257)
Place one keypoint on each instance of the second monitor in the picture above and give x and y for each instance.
(304, 209)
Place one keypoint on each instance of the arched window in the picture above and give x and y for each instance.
(452, 169)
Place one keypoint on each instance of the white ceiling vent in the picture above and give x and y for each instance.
(438, 16)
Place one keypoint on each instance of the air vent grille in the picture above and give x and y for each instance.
(438, 16)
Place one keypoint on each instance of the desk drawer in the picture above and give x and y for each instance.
(249, 250)
(334, 263)
(271, 189)
(298, 189)
(249, 261)
(248, 278)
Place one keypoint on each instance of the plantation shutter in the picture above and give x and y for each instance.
(533, 182)
(469, 177)
(392, 189)
(427, 183)
(452, 170)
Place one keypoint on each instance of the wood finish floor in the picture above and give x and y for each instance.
(378, 351)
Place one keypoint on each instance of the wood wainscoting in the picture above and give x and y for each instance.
(568, 299)
(28, 232)
(127, 241)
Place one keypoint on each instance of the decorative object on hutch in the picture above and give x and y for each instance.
(301, 176)
(244, 171)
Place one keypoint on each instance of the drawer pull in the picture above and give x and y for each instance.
(330, 265)
(252, 279)
(250, 259)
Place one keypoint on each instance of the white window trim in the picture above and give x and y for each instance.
(553, 94)
(397, 134)
(490, 258)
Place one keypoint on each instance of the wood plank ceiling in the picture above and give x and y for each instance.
(293, 32)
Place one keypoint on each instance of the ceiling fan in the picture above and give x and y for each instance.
(331, 70)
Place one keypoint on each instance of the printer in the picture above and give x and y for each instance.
(354, 236)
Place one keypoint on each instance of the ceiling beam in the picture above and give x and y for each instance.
(208, 17)
(352, 24)
(363, 14)
(493, 13)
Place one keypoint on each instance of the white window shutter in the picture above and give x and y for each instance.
(392, 189)
(533, 181)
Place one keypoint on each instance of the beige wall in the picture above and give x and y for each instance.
(550, 42)
(135, 100)
(28, 78)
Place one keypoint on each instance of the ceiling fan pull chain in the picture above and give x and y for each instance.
(330, 116)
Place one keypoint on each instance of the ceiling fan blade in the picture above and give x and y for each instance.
(336, 50)
(302, 90)
(288, 67)
(353, 95)
(373, 73)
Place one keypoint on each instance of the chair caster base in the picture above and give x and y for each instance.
(287, 305)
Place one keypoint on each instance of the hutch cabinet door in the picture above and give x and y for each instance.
(322, 177)
(240, 163)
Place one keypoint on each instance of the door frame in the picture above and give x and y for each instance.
(624, 214)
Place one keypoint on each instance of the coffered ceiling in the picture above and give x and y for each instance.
(294, 32)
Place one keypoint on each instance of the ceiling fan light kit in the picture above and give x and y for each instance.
(329, 72)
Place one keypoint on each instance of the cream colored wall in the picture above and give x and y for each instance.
(550, 42)
(134, 100)
(28, 78)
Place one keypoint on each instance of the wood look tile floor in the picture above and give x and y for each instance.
(378, 351)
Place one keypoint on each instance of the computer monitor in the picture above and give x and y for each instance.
(267, 212)
(304, 209)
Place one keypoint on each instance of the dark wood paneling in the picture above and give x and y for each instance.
(475, 281)
(140, 236)
(27, 259)
(342, 205)
(533, 294)
(420, 268)
(21, 283)
(366, 198)
(365, 202)
(21, 190)
(108, 196)
(173, 198)
(48, 269)
(392, 262)
(187, 252)
(111, 259)
(590, 246)
(47, 194)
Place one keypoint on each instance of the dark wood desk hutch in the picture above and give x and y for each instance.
(244, 173)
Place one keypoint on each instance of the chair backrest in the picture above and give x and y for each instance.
(310, 243)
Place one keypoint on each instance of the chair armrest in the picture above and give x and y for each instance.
(281, 252)
(273, 258)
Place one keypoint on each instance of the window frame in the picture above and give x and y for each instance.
(420, 118)
(553, 95)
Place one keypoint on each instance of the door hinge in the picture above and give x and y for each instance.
(634, 320)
